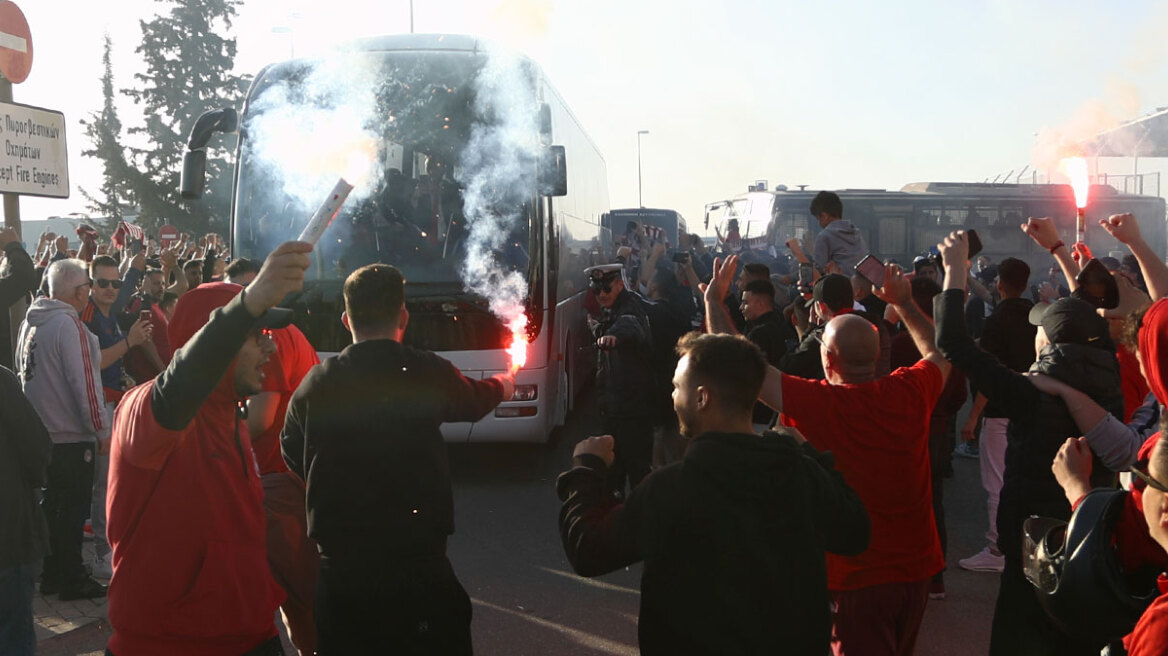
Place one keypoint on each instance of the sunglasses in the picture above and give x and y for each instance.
(598, 286)
(105, 284)
(1143, 480)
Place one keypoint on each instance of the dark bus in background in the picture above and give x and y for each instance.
(425, 97)
(899, 225)
(670, 221)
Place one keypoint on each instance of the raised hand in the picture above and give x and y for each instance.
(1123, 227)
(1042, 231)
(282, 274)
(955, 251)
(719, 286)
(897, 289)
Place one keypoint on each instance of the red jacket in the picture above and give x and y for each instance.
(185, 519)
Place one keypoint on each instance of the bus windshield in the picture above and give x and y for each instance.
(411, 214)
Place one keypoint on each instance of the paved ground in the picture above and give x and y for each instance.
(507, 553)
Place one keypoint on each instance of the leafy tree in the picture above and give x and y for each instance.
(104, 130)
(189, 63)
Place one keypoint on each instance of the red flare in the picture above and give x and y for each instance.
(517, 350)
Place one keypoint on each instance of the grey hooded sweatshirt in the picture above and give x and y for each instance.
(59, 364)
(842, 243)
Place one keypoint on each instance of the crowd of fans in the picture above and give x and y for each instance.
(776, 437)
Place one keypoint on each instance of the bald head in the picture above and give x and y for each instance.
(851, 346)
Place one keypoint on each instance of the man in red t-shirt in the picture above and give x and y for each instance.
(291, 553)
(878, 430)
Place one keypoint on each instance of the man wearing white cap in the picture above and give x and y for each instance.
(624, 375)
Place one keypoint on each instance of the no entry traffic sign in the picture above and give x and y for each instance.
(15, 43)
(167, 235)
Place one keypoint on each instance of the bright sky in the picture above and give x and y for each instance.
(830, 94)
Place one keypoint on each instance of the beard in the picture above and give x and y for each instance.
(687, 423)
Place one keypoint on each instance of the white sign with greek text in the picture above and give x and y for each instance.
(33, 157)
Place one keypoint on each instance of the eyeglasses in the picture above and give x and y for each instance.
(104, 284)
(87, 283)
(1144, 480)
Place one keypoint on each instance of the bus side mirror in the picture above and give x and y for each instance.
(194, 170)
(194, 174)
(555, 172)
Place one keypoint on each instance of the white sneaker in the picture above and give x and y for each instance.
(984, 561)
(102, 569)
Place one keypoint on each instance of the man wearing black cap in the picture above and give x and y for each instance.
(624, 375)
(1073, 346)
(832, 296)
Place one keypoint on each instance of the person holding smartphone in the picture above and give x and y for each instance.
(108, 296)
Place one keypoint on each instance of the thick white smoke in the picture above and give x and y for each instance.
(498, 170)
(305, 137)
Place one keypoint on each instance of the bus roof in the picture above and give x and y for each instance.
(392, 42)
(960, 189)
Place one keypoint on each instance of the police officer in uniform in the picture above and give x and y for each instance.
(624, 374)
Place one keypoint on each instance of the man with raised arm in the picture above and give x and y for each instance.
(733, 536)
(363, 430)
(878, 430)
(186, 523)
(1073, 345)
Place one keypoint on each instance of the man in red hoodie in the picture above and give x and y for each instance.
(186, 523)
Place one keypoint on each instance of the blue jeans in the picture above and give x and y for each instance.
(17, 637)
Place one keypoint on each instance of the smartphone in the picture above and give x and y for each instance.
(136, 246)
(806, 275)
(681, 257)
(974, 243)
(145, 315)
(872, 270)
(1097, 286)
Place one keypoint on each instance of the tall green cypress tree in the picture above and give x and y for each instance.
(104, 130)
(189, 62)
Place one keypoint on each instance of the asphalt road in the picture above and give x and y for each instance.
(506, 550)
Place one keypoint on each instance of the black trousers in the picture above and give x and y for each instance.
(391, 605)
(633, 442)
(940, 456)
(66, 504)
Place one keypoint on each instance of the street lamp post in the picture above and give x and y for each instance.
(639, 199)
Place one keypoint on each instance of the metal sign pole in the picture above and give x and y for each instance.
(18, 309)
(11, 201)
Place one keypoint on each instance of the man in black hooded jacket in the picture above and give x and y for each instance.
(1073, 346)
(733, 536)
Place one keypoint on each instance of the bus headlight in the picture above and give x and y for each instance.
(525, 393)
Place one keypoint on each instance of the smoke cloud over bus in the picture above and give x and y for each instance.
(498, 169)
(303, 137)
